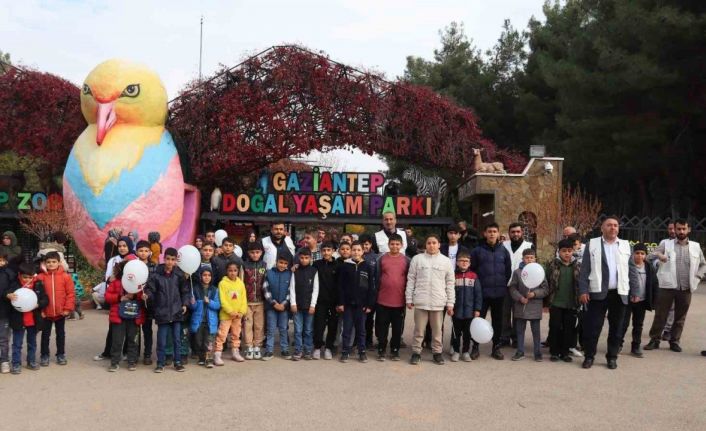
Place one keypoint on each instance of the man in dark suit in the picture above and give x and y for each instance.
(604, 287)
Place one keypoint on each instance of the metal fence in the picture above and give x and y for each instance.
(652, 230)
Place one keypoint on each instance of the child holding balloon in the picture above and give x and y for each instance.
(528, 302)
(127, 314)
(28, 321)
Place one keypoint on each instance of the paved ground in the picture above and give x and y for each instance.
(663, 391)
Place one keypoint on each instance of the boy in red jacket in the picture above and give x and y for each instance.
(60, 289)
(125, 324)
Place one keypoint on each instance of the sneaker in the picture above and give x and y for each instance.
(4, 368)
(217, 360)
(475, 354)
(555, 358)
(518, 356)
(16, 369)
(131, 366)
(395, 355)
(465, 357)
(168, 360)
(297, 356)
(147, 360)
(538, 358)
(567, 358)
(113, 368)
(44, 361)
(438, 359)
(100, 357)
(159, 369)
(286, 355)
(71, 317)
(33, 366)
(317, 354)
(415, 359)
(344, 357)
(209, 364)
(307, 356)
(328, 355)
(363, 357)
(236, 356)
(249, 354)
(179, 368)
(455, 357)
(381, 356)
(652, 345)
(497, 354)
(267, 356)
(201, 362)
(257, 355)
(575, 352)
(61, 359)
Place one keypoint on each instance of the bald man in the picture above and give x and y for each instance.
(389, 226)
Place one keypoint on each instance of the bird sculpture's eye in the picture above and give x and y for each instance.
(86, 89)
(132, 90)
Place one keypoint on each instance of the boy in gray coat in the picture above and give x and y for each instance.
(527, 307)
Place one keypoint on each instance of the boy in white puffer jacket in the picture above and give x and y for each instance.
(430, 290)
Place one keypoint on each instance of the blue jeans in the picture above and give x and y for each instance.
(303, 325)
(353, 316)
(163, 329)
(277, 320)
(17, 338)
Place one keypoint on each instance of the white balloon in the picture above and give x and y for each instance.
(238, 251)
(532, 275)
(481, 330)
(188, 259)
(220, 236)
(135, 275)
(26, 300)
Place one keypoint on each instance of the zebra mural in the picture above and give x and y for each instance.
(434, 186)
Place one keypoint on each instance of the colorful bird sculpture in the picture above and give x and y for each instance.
(124, 170)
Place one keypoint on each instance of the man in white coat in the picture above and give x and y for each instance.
(382, 237)
(276, 243)
(515, 246)
(604, 287)
(681, 269)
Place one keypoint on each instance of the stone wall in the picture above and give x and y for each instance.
(536, 190)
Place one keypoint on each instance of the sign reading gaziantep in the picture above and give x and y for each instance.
(324, 194)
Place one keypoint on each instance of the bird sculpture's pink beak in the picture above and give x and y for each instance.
(105, 120)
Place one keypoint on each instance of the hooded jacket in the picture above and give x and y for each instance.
(469, 294)
(112, 297)
(199, 307)
(59, 287)
(233, 298)
(13, 250)
(166, 294)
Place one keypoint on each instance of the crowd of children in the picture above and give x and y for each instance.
(252, 295)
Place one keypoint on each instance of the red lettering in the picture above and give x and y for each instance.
(418, 206)
(228, 202)
(325, 183)
(299, 203)
(312, 206)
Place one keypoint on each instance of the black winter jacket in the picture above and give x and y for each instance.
(356, 284)
(328, 282)
(166, 294)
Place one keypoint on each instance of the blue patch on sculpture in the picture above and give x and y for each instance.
(119, 193)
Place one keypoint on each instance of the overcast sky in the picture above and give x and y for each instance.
(70, 37)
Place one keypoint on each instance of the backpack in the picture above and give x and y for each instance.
(129, 310)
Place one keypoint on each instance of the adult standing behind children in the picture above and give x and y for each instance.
(430, 290)
(276, 244)
(492, 262)
(682, 267)
(382, 237)
(516, 245)
(604, 286)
